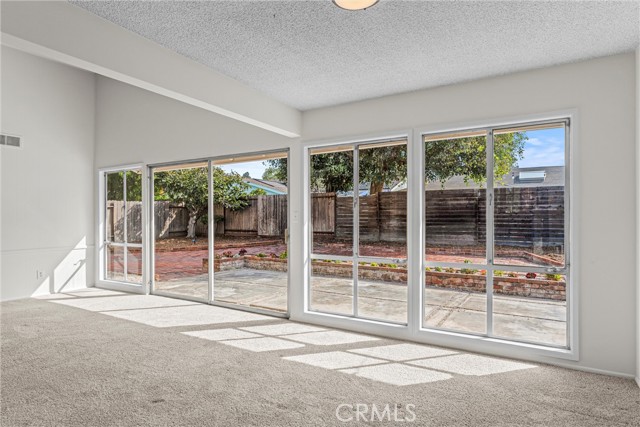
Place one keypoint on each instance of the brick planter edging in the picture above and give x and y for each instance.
(516, 286)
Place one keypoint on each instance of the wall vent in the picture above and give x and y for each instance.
(10, 140)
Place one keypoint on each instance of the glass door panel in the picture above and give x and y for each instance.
(250, 203)
(181, 249)
(331, 204)
(455, 290)
(382, 231)
(359, 255)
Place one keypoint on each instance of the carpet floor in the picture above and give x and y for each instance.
(100, 358)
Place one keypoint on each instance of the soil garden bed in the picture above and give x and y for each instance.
(181, 244)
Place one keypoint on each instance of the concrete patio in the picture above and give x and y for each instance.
(518, 318)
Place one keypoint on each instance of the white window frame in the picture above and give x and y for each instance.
(100, 256)
(414, 331)
(150, 241)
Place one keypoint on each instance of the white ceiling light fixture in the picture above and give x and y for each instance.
(354, 4)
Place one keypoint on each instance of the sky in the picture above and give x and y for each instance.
(255, 169)
(544, 148)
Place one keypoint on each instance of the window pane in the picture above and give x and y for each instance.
(529, 196)
(530, 307)
(134, 206)
(331, 190)
(455, 197)
(456, 299)
(331, 286)
(181, 248)
(134, 265)
(250, 244)
(382, 291)
(114, 263)
(114, 215)
(382, 203)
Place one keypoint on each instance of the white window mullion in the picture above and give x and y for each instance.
(356, 225)
(490, 202)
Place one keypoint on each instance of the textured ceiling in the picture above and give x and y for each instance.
(311, 54)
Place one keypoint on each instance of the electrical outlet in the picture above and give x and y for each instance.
(39, 274)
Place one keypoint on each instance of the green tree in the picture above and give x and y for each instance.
(466, 157)
(115, 186)
(272, 173)
(189, 188)
(386, 165)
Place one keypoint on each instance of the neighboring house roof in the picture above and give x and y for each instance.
(270, 187)
(543, 176)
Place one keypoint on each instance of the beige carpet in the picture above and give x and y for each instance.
(107, 359)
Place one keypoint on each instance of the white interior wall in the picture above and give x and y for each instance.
(604, 186)
(47, 188)
(638, 215)
(137, 126)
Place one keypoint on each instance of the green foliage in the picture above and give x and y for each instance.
(332, 171)
(498, 273)
(374, 264)
(466, 157)
(438, 269)
(261, 255)
(115, 186)
(189, 187)
(283, 255)
(277, 171)
(556, 277)
(468, 270)
(444, 159)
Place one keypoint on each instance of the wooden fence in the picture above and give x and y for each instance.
(523, 217)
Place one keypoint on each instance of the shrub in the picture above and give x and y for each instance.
(392, 265)
(450, 270)
(531, 275)
(227, 254)
(283, 255)
(438, 269)
(512, 274)
(273, 255)
(217, 256)
(427, 269)
(498, 273)
(555, 277)
(483, 272)
(374, 264)
(242, 252)
(261, 255)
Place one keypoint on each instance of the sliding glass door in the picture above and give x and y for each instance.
(496, 232)
(358, 217)
(180, 232)
(250, 240)
(220, 231)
